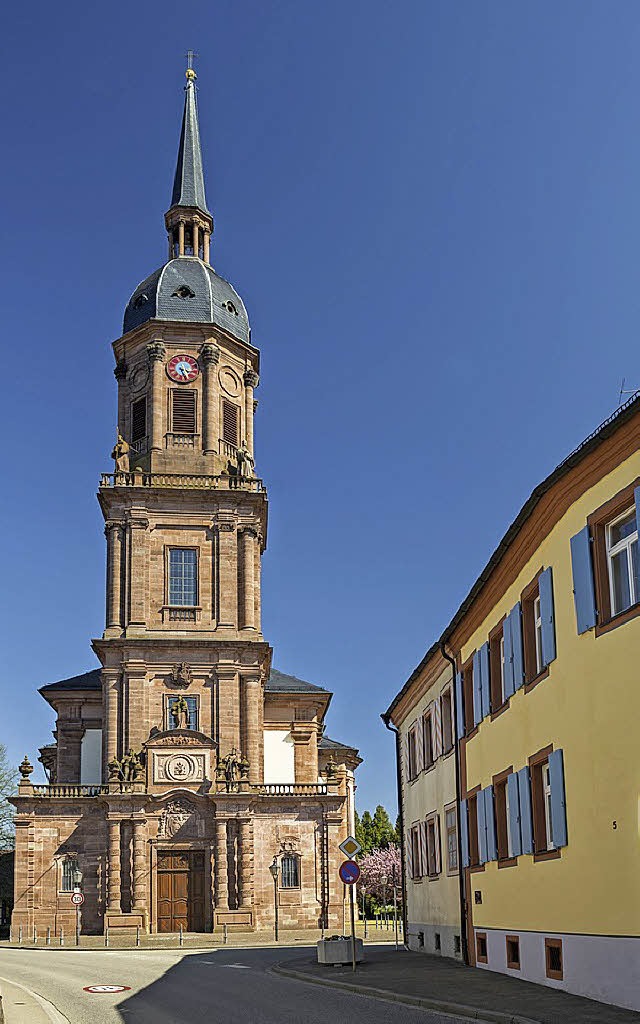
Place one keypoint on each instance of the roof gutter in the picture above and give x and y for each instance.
(391, 728)
(461, 888)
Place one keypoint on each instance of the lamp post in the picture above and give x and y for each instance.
(384, 880)
(273, 868)
(363, 890)
(77, 887)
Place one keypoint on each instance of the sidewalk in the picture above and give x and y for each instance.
(21, 1006)
(443, 984)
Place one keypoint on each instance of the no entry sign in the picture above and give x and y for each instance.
(101, 990)
(349, 872)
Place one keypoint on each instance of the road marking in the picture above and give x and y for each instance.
(100, 990)
(52, 1012)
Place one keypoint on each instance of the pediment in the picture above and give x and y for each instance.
(180, 738)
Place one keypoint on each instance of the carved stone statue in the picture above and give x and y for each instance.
(129, 769)
(245, 461)
(115, 770)
(181, 674)
(230, 768)
(331, 768)
(180, 713)
(136, 773)
(120, 454)
(243, 768)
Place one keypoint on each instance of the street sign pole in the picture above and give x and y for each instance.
(353, 932)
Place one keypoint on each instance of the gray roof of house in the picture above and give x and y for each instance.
(278, 683)
(324, 743)
(188, 290)
(188, 183)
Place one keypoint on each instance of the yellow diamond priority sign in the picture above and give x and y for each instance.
(350, 847)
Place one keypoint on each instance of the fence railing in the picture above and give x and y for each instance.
(184, 481)
(293, 789)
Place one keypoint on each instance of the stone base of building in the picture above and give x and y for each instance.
(126, 922)
(436, 939)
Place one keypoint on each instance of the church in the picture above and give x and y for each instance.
(190, 785)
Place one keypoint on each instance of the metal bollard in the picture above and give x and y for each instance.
(48, 936)
(224, 934)
(181, 937)
(106, 936)
(35, 935)
(61, 936)
(137, 935)
(20, 934)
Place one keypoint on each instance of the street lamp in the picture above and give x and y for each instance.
(273, 868)
(384, 880)
(363, 890)
(77, 887)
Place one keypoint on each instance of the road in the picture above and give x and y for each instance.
(230, 986)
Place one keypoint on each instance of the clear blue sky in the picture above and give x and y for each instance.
(431, 210)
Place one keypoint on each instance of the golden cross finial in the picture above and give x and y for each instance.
(190, 73)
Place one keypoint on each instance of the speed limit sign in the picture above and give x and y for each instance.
(77, 899)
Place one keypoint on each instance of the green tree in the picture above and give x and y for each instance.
(366, 826)
(8, 783)
(383, 833)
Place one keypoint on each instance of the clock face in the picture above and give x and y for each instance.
(183, 369)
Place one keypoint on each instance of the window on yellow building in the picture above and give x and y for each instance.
(467, 696)
(433, 845)
(474, 850)
(451, 825)
(416, 859)
(447, 721)
(496, 663)
(538, 627)
(503, 824)
(622, 561)
(427, 739)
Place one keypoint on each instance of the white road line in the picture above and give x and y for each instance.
(52, 1012)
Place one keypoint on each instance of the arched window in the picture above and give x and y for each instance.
(289, 872)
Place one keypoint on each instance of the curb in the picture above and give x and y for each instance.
(459, 1009)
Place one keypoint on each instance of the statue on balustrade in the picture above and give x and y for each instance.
(231, 769)
(129, 769)
(180, 713)
(120, 455)
(245, 461)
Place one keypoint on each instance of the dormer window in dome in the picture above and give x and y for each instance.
(184, 292)
(140, 300)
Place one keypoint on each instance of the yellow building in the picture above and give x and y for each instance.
(423, 716)
(546, 701)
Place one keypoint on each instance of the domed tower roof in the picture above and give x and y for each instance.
(187, 288)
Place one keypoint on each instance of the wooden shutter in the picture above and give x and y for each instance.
(558, 799)
(477, 689)
(514, 815)
(516, 646)
(419, 733)
(437, 729)
(509, 683)
(436, 834)
(482, 827)
(464, 833)
(545, 585)
(183, 419)
(409, 851)
(424, 860)
(490, 817)
(406, 766)
(138, 420)
(583, 590)
(483, 662)
(526, 820)
(230, 422)
(459, 706)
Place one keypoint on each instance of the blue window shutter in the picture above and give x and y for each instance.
(483, 661)
(583, 590)
(490, 818)
(464, 833)
(459, 706)
(514, 814)
(558, 802)
(482, 827)
(477, 689)
(526, 821)
(545, 583)
(509, 684)
(516, 643)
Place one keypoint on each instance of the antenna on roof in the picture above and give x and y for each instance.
(625, 391)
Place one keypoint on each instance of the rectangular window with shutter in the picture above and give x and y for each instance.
(447, 721)
(138, 420)
(451, 825)
(183, 412)
(230, 422)
(610, 580)
(427, 740)
(538, 628)
(467, 697)
(433, 846)
(474, 847)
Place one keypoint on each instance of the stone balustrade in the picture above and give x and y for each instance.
(184, 481)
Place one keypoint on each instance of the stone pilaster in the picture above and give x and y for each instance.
(305, 738)
(113, 532)
(110, 701)
(209, 357)
(138, 544)
(156, 353)
(221, 871)
(120, 373)
(251, 381)
(247, 567)
(113, 877)
(139, 866)
(245, 856)
(228, 574)
(228, 724)
(251, 741)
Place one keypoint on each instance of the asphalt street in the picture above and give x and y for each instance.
(230, 986)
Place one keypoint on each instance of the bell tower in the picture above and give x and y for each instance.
(185, 514)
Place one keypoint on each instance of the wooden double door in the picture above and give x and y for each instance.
(181, 890)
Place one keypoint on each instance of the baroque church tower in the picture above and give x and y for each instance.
(184, 767)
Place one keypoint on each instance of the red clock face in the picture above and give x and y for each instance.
(183, 369)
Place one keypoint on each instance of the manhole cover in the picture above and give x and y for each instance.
(106, 989)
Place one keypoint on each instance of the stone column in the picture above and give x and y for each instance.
(156, 353)
(206, 245)
(228, 574)
(110, 689)
(113, 880)
(221, 875)
(138, 537)
(251, 700)
(228, 724)
(120, 373)
(209, 357)
(251, 381)
(245, 887)
(139, 866)
(195, 231)
(257, 584)
(113, 532)
(247, 580)
(181, 237)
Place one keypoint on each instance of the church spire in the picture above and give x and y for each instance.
(188, 220)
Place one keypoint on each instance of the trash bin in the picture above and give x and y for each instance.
(337, 950)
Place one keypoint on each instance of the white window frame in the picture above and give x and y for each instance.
(503, 695)
(546, 792)
(616, 549)
(447, 811)
(537, 629)
(506, 809)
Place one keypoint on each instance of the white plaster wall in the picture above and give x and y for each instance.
(91, 758)
(606, 968)
(279, 763)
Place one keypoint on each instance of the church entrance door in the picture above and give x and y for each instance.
(181, 890)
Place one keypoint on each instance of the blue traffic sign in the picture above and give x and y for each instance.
(349, 872)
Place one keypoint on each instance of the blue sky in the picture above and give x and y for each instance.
(431, 211)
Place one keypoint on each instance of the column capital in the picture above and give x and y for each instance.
(112, 524)
(246, 528)
(251, 378)
(140, 523)
(210, 353)
(120, 370)
(156, 351)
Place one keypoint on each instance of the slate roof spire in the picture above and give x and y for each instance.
(188, 183)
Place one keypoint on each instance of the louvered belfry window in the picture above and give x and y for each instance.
(230, 423)
(183, 412)
(139, 420)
